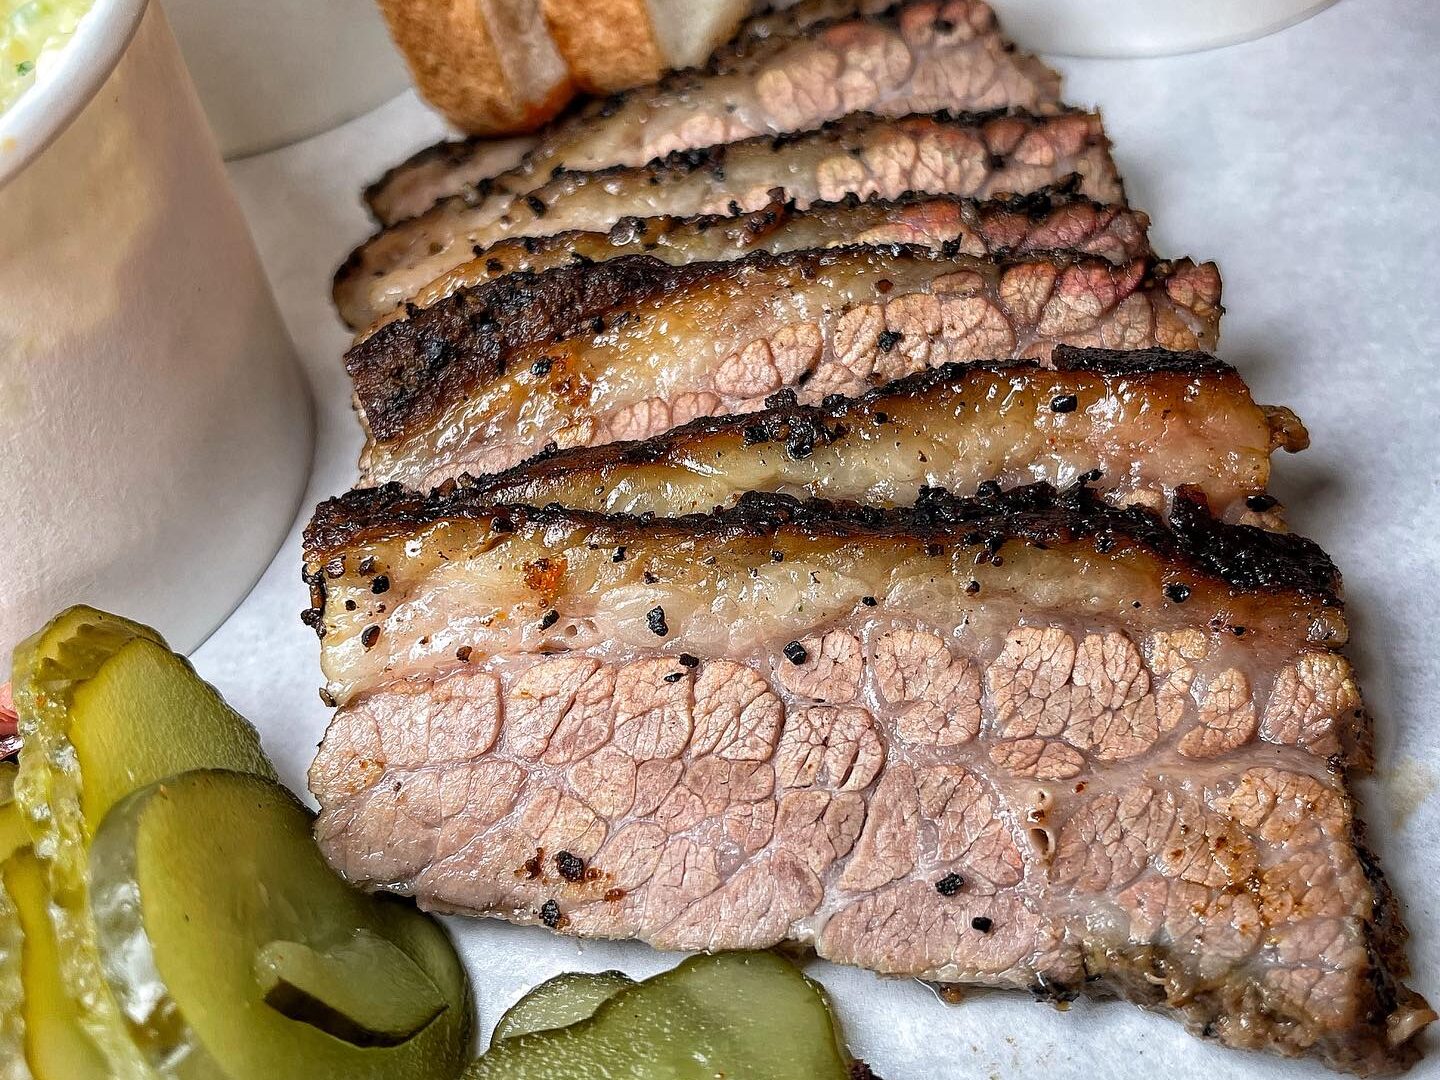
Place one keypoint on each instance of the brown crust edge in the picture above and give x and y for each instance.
(1241, 558)
(410, 370)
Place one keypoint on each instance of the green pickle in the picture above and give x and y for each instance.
(332, 989)
(13, 834)
(559, 1002)
(56, 1046)
(12, 939)
(751, 1015)
(240, 955)
(105, 708)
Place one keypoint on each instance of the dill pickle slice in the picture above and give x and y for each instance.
(200, 884)
(56, 1046)
(13, 834)
(105, 708)
(331, 989)
(12, 939)
(12, 994)
(751, 1015)
(559, 1002)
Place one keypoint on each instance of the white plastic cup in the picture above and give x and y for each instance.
(270, 72)
(1145, 27)
(155, 429)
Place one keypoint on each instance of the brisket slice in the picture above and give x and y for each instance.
(784, 71)
(1027, 740)
(1140, 425)
(862, 155)
(1053, 219)
(632, 347)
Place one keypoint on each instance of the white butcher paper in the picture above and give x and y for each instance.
(1308, 165)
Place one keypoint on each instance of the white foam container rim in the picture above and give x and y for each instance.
(79, 70)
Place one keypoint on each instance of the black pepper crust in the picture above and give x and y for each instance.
(1138, 362)
(409, 371)
(834, 135)
(751, 226)
(447, 152)
(803, 428)
(1241, 558)
(760, 36)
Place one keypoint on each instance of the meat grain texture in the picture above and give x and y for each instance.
(1026, 741)
(784, 71)
(1138, 425)
(1053, 219)
(627, 349)
(862, 155)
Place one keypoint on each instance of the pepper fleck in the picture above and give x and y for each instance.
(674, 677)
(551, 618)
(540, 368)
(550, 914)
(367, 564)
(655, 619)
(686, 660)
(1177, 592)
(571, 867)
(949, 885)
(982, 923)
(369, 636)
(619, 555)
(1260, 503)
(327, 698)
(869, 601)
(381, 584)
(888, 339)
(973, 587)
(1063, 403)
(795, 653)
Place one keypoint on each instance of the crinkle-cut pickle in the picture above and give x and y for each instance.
(559, 1002)
(56, 1046)
(193, 882)
(751, 1015)
(12, 939)
(13, 834)
(105, 708)
(335, 989)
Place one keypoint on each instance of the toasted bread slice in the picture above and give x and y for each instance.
(490, 66)
(505, 66)
(609, 44)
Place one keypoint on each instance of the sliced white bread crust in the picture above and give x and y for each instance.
(609, 44)
(490, 66)
(496, 67)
